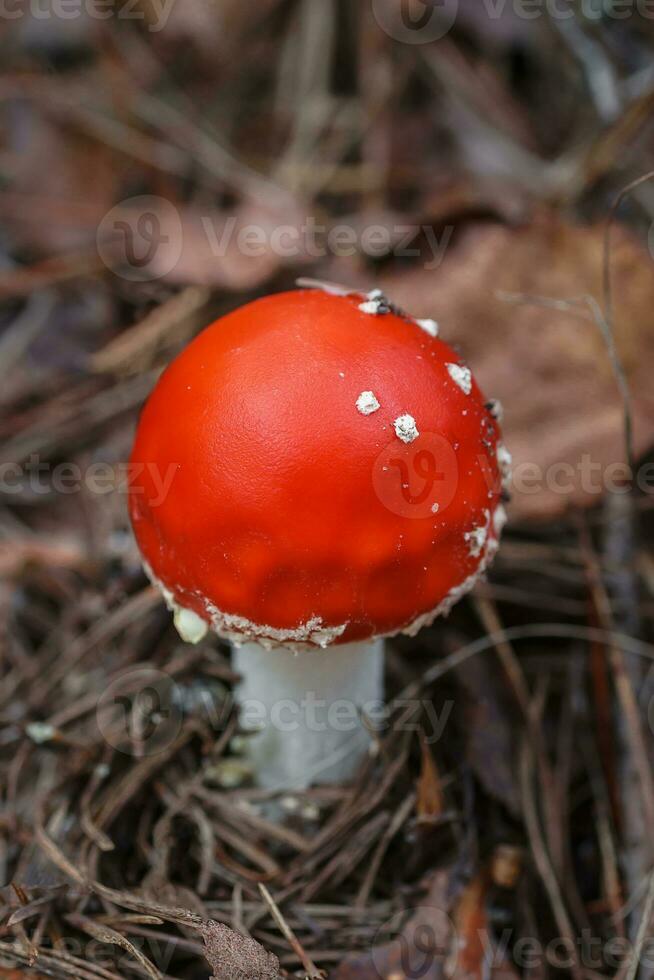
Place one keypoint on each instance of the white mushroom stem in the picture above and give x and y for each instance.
(306, 710)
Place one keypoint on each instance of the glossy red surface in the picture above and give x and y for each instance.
(285, 502)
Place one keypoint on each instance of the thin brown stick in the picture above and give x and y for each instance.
(307, 963)
(542, 859)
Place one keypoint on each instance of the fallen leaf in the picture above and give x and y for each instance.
(548, 365)
(443, 939)
(479, 955)
(416, 943)
(236, 957)
(429, 803)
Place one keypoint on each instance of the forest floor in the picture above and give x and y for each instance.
(472, 175)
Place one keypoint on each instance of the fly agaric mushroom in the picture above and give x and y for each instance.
(337, 479)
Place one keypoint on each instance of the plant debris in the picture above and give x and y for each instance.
(156, 175)
(236, 957)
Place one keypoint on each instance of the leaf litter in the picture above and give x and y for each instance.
(524, 817)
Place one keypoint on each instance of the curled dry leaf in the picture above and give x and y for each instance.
(480, 956)
(235, 957)
(446, 938)
(421, 943)
(429, 804)
(500, 296)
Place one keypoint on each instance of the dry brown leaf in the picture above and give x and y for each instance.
(421, 947)
(235, 957)
(443, 938)
(429, 802)
(548, 366)
(472, 925)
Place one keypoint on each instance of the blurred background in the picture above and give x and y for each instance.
(485, 163)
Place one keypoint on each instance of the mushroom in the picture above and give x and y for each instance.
(336, 479)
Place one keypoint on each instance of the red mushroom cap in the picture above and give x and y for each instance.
(316, 469)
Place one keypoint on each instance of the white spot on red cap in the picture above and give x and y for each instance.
(461, 376)
(499, 520)
(495, 409)
(367, 403)
(406, 428)
(429, 326)
(504, 460)
(375, 303)
(477, 537)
